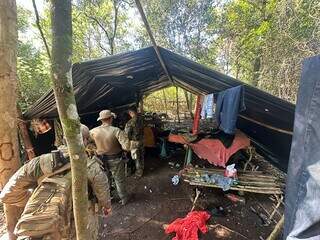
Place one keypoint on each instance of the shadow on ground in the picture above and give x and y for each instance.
(156, 202)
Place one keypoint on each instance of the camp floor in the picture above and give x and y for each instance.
(157, 202)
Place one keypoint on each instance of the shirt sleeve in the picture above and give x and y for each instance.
(99, 183)
(123, 139)
(128, 129)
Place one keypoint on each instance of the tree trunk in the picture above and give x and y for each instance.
(64, 94)
(9, 147)
(189, 104)
(177, 102)
(256, 69)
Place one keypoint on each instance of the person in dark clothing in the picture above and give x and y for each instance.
(135, 132)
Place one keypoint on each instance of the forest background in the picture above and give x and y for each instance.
(260, 42)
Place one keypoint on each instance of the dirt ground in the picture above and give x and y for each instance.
(155, 202)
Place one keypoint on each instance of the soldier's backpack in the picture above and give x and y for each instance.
(47, 209)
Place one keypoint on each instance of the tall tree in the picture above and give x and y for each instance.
(64, 94)
(182, 25)
(33, 65)
(106, 23)
(9, 148)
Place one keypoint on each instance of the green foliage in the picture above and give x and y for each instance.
(261, 42)
(23, 21)
(164, 101)
(183, 26)
(99, 28)
(33, 66)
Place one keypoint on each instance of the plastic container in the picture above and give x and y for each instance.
(231, 171)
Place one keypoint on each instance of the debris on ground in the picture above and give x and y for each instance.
(235, 198)
(175, 180)
(263, 218)
(216, 211)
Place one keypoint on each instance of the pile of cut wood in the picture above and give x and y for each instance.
(248, 181)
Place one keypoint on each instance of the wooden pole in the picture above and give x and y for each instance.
(196, 119)
(155, 46)
(177, 102)
(189, 102)
(165, 101)
(141, 105)
(25, 136)
(40, 29)
(277, 230)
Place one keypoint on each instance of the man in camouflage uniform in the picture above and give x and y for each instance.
(134, 130)
(110, 142)
(16, 191)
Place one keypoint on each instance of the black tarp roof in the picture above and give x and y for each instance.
(114, 81)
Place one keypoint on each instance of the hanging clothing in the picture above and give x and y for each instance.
(229, 103)
(207, 107)
(216, 153)
(187, 228)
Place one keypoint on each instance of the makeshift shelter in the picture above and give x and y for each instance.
(121, 80)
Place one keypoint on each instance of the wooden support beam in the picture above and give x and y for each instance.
(25, 136)
(277, 230)
(155, 46)
(196, 119)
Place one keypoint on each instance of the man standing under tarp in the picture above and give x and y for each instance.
(110, 141)
(134, 130)
(302, 212)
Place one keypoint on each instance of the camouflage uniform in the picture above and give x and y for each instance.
(16, 191)
(110, 141)
(134, 130)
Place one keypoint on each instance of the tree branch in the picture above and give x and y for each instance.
(103, 48)
(99, 23)
(40, 29)
(115, 24)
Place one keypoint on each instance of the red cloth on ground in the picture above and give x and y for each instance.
(216, 153)
(187, 228)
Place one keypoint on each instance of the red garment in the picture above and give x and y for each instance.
(187, 228)
(216, 153)
(175, 138)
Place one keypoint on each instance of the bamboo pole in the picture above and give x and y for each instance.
(277, 230)
(177, 102)
(256, 190)
(155, 46)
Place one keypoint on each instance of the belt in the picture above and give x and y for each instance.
(105, 157)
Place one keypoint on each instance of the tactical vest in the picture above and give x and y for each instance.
(47, 211)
